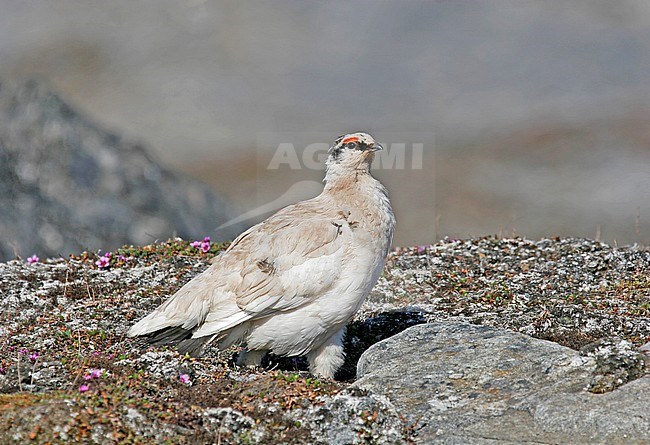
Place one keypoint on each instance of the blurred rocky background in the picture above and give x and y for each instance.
(66, 185)
(533, 115)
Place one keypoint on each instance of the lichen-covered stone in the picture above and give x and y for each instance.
(471, 384)
(617, 362)
(353, 417)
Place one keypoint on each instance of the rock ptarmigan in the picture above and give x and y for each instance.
(290, 284)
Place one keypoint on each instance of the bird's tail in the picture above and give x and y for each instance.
(193, 317)
(174, 320)
(186, 344)
(168, 336)
(178, 337)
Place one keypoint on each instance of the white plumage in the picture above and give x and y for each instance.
(291, 283)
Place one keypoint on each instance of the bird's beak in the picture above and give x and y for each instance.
(377, 147)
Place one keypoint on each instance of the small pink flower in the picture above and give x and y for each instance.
(33, 259)
(83, 388)
(96, 353)
(23, 351)
(184, 378)
(34, 356)
(3, 370)
(93, 374)
(203, 245)
(104, 261)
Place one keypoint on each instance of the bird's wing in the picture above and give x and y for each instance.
(283, 263)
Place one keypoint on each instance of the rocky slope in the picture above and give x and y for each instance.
(67, 185)
(477, 369)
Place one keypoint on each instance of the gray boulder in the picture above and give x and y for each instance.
(466, 384)
(352, 417)
(68, 185)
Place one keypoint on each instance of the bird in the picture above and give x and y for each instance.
(290, 284)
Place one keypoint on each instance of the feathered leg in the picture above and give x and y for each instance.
(329, 357)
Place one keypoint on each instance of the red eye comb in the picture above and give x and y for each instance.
(350, 139)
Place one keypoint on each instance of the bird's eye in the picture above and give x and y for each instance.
(351, 145)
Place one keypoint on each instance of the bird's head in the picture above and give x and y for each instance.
(354, 151)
